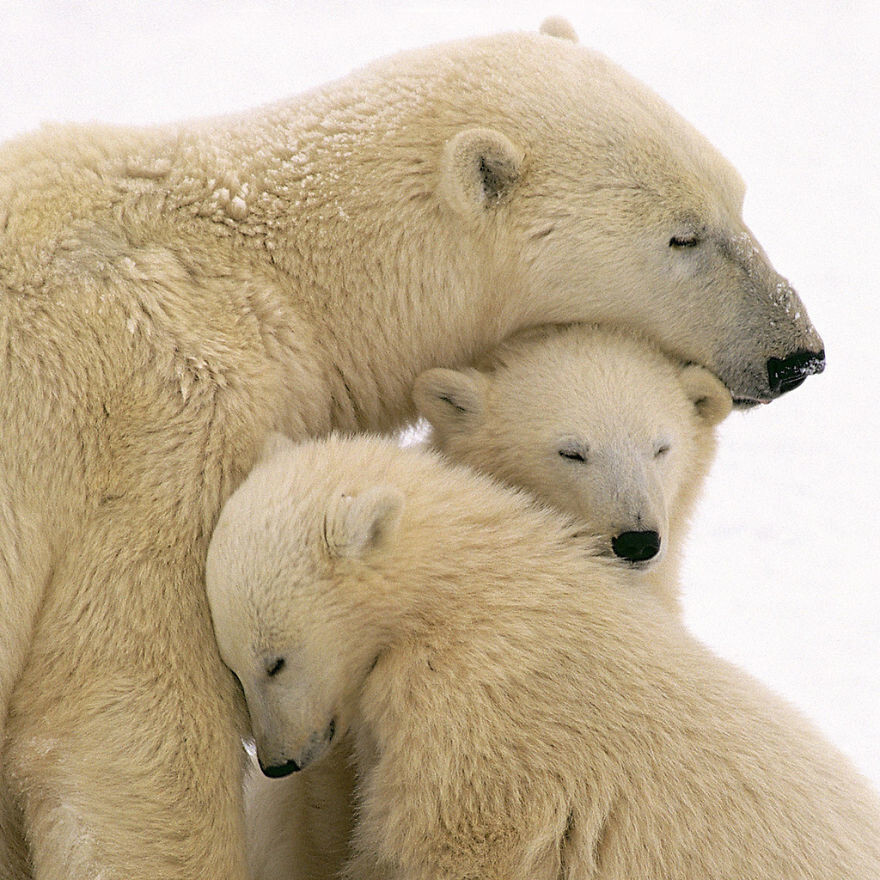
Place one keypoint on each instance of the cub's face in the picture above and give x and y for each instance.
(281, 577)
(593, 423)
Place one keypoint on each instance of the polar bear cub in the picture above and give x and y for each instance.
(513, 711)
(595, 421)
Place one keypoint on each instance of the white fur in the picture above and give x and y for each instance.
(513, 711)
(169, 295)
(596, 422)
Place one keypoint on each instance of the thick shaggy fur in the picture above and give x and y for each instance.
(169, 295)
(514, 712)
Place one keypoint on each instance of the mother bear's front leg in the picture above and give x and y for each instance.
(124, 739)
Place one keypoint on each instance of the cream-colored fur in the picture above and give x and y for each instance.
(645, 427)
(169, 295)
(596, 422)
(515, 711)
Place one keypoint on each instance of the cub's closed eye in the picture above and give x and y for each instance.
(684, 241)
(573, 454)
(660, 451)
(275, 667)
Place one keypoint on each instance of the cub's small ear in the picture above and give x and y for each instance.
(709, 395)
(357, 525)
(451, 400)
(274, 443)
(480, 168)
(557, 26)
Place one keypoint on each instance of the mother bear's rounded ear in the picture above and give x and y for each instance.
(559, 27)
(480, 168)
(707, 392)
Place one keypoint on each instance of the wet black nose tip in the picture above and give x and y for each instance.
(276, 771)
(636, 546)
(785, 374)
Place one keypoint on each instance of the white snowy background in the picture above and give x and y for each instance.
(782, 562)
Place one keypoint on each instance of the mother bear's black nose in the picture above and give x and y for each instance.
(787, 373)
(636, 546)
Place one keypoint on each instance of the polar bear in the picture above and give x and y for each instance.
(596, 421)
(513, 711)
(170, 295)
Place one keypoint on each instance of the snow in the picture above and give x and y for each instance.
(782, 566)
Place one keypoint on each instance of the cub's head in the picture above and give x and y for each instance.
(286, 568)
(598, 202)
(596, 422)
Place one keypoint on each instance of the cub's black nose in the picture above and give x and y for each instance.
(787, 373)
(276, 771)
(636, 546)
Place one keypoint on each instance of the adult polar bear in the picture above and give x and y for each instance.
(170, 295)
